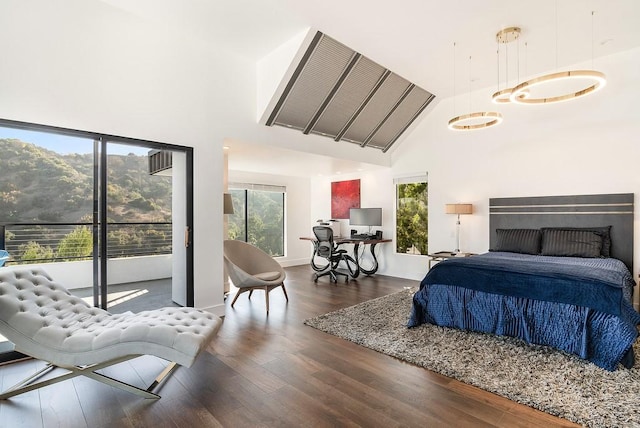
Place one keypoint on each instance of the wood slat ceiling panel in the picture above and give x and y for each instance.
(355, 89)
(401, 118)
(377, 109)
(338, 93)
(318, 78)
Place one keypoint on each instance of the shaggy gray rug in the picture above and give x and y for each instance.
(540, 377)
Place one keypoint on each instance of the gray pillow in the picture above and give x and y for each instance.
(605, 231)
(525, 241)
(571, 243)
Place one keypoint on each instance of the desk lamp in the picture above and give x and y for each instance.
(458, 209)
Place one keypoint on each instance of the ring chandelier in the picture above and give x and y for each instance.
(597, 80)
(504, 36)
(521, 94)
(491, 118)
(472, 121)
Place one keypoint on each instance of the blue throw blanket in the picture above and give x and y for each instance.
(578, 305)
(573, 282)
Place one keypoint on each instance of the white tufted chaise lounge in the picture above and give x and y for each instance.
(44, 321)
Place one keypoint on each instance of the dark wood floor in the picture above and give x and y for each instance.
(274, 371)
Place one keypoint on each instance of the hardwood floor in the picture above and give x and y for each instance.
(274, 371)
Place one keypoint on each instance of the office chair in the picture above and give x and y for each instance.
(327, 249)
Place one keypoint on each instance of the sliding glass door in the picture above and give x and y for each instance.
(46, 204)
(145, 228)
(109, 218)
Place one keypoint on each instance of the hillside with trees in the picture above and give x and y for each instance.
(41, 186)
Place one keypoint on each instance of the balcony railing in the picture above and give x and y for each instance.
(55, 242)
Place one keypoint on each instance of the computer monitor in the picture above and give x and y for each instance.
(365, 217)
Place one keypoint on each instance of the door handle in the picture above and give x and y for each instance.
(186, 237)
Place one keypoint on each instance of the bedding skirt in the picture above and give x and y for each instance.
(603, 338)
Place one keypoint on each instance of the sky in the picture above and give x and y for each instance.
(65, 145)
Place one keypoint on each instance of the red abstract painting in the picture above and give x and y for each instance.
(344, 195)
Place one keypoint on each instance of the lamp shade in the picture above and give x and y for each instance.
(459, 208)
(228, 204)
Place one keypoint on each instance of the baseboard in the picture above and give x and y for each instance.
(218, 310)
(293, 262)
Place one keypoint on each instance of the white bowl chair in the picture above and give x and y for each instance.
(251, 268)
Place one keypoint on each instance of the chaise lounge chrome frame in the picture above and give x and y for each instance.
(44, 321)
(28, 384)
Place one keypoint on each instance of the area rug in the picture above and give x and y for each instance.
(537, 376)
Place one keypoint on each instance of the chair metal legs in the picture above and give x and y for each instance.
(333, 274)
(332, 269)
(89, 371)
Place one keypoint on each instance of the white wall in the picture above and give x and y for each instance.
(586, 146)
(274, 71)
(89, 66)
(85, 65)
(297, 212)
(376, 191)
(79, 274)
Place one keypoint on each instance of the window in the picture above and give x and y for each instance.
(83, 198)
(412, 224)
(258, 216)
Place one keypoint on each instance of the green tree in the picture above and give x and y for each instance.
(34, 251)
(264, 223)
(412, 218)
(76, 244)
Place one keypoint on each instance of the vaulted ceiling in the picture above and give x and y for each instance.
(415, 38)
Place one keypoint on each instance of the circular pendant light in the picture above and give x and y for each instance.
(472, 121)
(477, 120)
(520, 94)
(596, 80)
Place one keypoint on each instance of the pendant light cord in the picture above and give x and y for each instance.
(470, 83)
(556, 35)
(454, 78)
(592, 43)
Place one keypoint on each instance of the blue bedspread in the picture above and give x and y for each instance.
(582, 306)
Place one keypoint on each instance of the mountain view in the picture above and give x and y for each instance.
(41, 186)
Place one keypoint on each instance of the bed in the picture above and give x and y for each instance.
(558, 274)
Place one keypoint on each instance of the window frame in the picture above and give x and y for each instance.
(422, 211)
(244, 207)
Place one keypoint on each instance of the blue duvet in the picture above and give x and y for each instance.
(582, 306)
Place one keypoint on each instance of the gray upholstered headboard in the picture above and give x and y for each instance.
(569, 211)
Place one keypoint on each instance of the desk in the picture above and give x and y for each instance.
(443, 255)
(356, 249)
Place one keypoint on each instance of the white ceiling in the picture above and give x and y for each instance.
(264, 159)
(413, 38)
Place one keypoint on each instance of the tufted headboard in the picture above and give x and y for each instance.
(569, 211)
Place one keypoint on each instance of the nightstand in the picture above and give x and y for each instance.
(443, 255)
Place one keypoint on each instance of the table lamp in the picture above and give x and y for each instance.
(458, 209)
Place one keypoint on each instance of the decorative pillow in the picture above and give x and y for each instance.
(605, 231)
(526, 241)
(571, 243)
